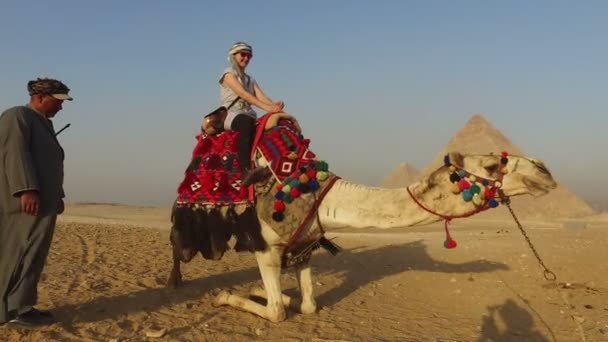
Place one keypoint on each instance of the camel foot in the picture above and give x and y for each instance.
(175, 281)
(308, 308)
(222, 298)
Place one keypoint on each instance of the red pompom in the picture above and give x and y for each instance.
(295, 193)
(312, 174)
(504, 154)
(449, 243)
(279, 187)
(279, 206)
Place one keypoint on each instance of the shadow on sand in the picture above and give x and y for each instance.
(349, 265)
(516, 324)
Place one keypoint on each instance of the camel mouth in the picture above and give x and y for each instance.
(537, 189)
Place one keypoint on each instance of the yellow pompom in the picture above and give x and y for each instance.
(322, 175)
(476, 199)
(303, 178)
(472, 179)
(286, 189)
(452, 168)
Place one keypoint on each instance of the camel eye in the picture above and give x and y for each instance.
(491, 168)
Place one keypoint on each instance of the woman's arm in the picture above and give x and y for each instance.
(231, 81)
(260, 95)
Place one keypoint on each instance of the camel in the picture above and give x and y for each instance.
(347, 204)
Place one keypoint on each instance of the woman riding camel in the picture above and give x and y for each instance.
(238, 92)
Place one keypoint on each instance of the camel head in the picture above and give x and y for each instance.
(521, 175)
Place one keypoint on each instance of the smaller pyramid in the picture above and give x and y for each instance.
(404, 175)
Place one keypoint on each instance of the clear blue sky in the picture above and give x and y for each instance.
(405, 75)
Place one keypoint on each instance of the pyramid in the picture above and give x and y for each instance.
(478, 136)
(404, 175)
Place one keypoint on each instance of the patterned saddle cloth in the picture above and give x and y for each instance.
(213, 176)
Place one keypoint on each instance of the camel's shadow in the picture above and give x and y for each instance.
(386, 261)
(350, 265)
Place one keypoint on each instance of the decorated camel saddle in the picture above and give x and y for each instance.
(212, 205)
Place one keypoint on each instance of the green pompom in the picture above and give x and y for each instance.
(322, 166)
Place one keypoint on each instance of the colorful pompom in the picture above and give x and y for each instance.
(322, 175)
(279, 195)
(463, 184)
(462, 173)
(303, 188)
(484, 182)
(313, 185)
(279, 206)
(449, 243)
(322, 166)
(286, 189)
(455, 188)
(294, 193)
(279, 186)
(472, 178)
(294, 184)
(467, 195)
(475, 189)
(476, 199)
(287, 198)
(312, 173)
(492, 203)
(303, 178)
(278, 216)
(454, 177)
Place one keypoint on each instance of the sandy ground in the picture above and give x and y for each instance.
(105, 281)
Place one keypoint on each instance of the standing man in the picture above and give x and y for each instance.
(31, 197)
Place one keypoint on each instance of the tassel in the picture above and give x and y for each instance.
(449, 243)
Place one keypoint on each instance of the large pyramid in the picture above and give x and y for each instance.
(404, 175)
(479, 136)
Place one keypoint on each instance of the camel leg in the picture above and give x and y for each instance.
(304, 276)
(269, 263)
(260, 292)
(175, 279)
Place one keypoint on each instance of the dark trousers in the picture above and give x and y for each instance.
(24, 246)
(245, 125)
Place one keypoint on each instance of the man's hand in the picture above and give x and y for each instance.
(30, 202)
(61, 207)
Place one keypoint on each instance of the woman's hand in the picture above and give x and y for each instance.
(274, 108)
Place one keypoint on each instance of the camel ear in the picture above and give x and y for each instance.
(456, 159)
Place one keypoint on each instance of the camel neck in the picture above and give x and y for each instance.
(358, 206)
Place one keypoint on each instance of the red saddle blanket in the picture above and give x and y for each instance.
(213, 176)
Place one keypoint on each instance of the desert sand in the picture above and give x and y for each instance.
(106, 273)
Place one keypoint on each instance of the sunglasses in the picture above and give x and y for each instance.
(245, 54)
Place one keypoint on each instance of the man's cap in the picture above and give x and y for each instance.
(49, 86)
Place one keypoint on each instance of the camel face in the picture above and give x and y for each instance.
(527, 176)
(523, 175)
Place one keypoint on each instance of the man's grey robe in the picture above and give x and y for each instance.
(30, 159)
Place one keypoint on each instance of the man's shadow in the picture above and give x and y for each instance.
(357, 268)
(517, 324)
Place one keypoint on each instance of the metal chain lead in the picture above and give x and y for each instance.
(547, 273)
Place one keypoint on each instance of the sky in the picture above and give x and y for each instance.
(373, 84)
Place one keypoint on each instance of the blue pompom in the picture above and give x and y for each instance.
(493, 203)
(279, 195)
(462, 173)
(484, 182)
(294, 183)
(467, 195)
(313, 185)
